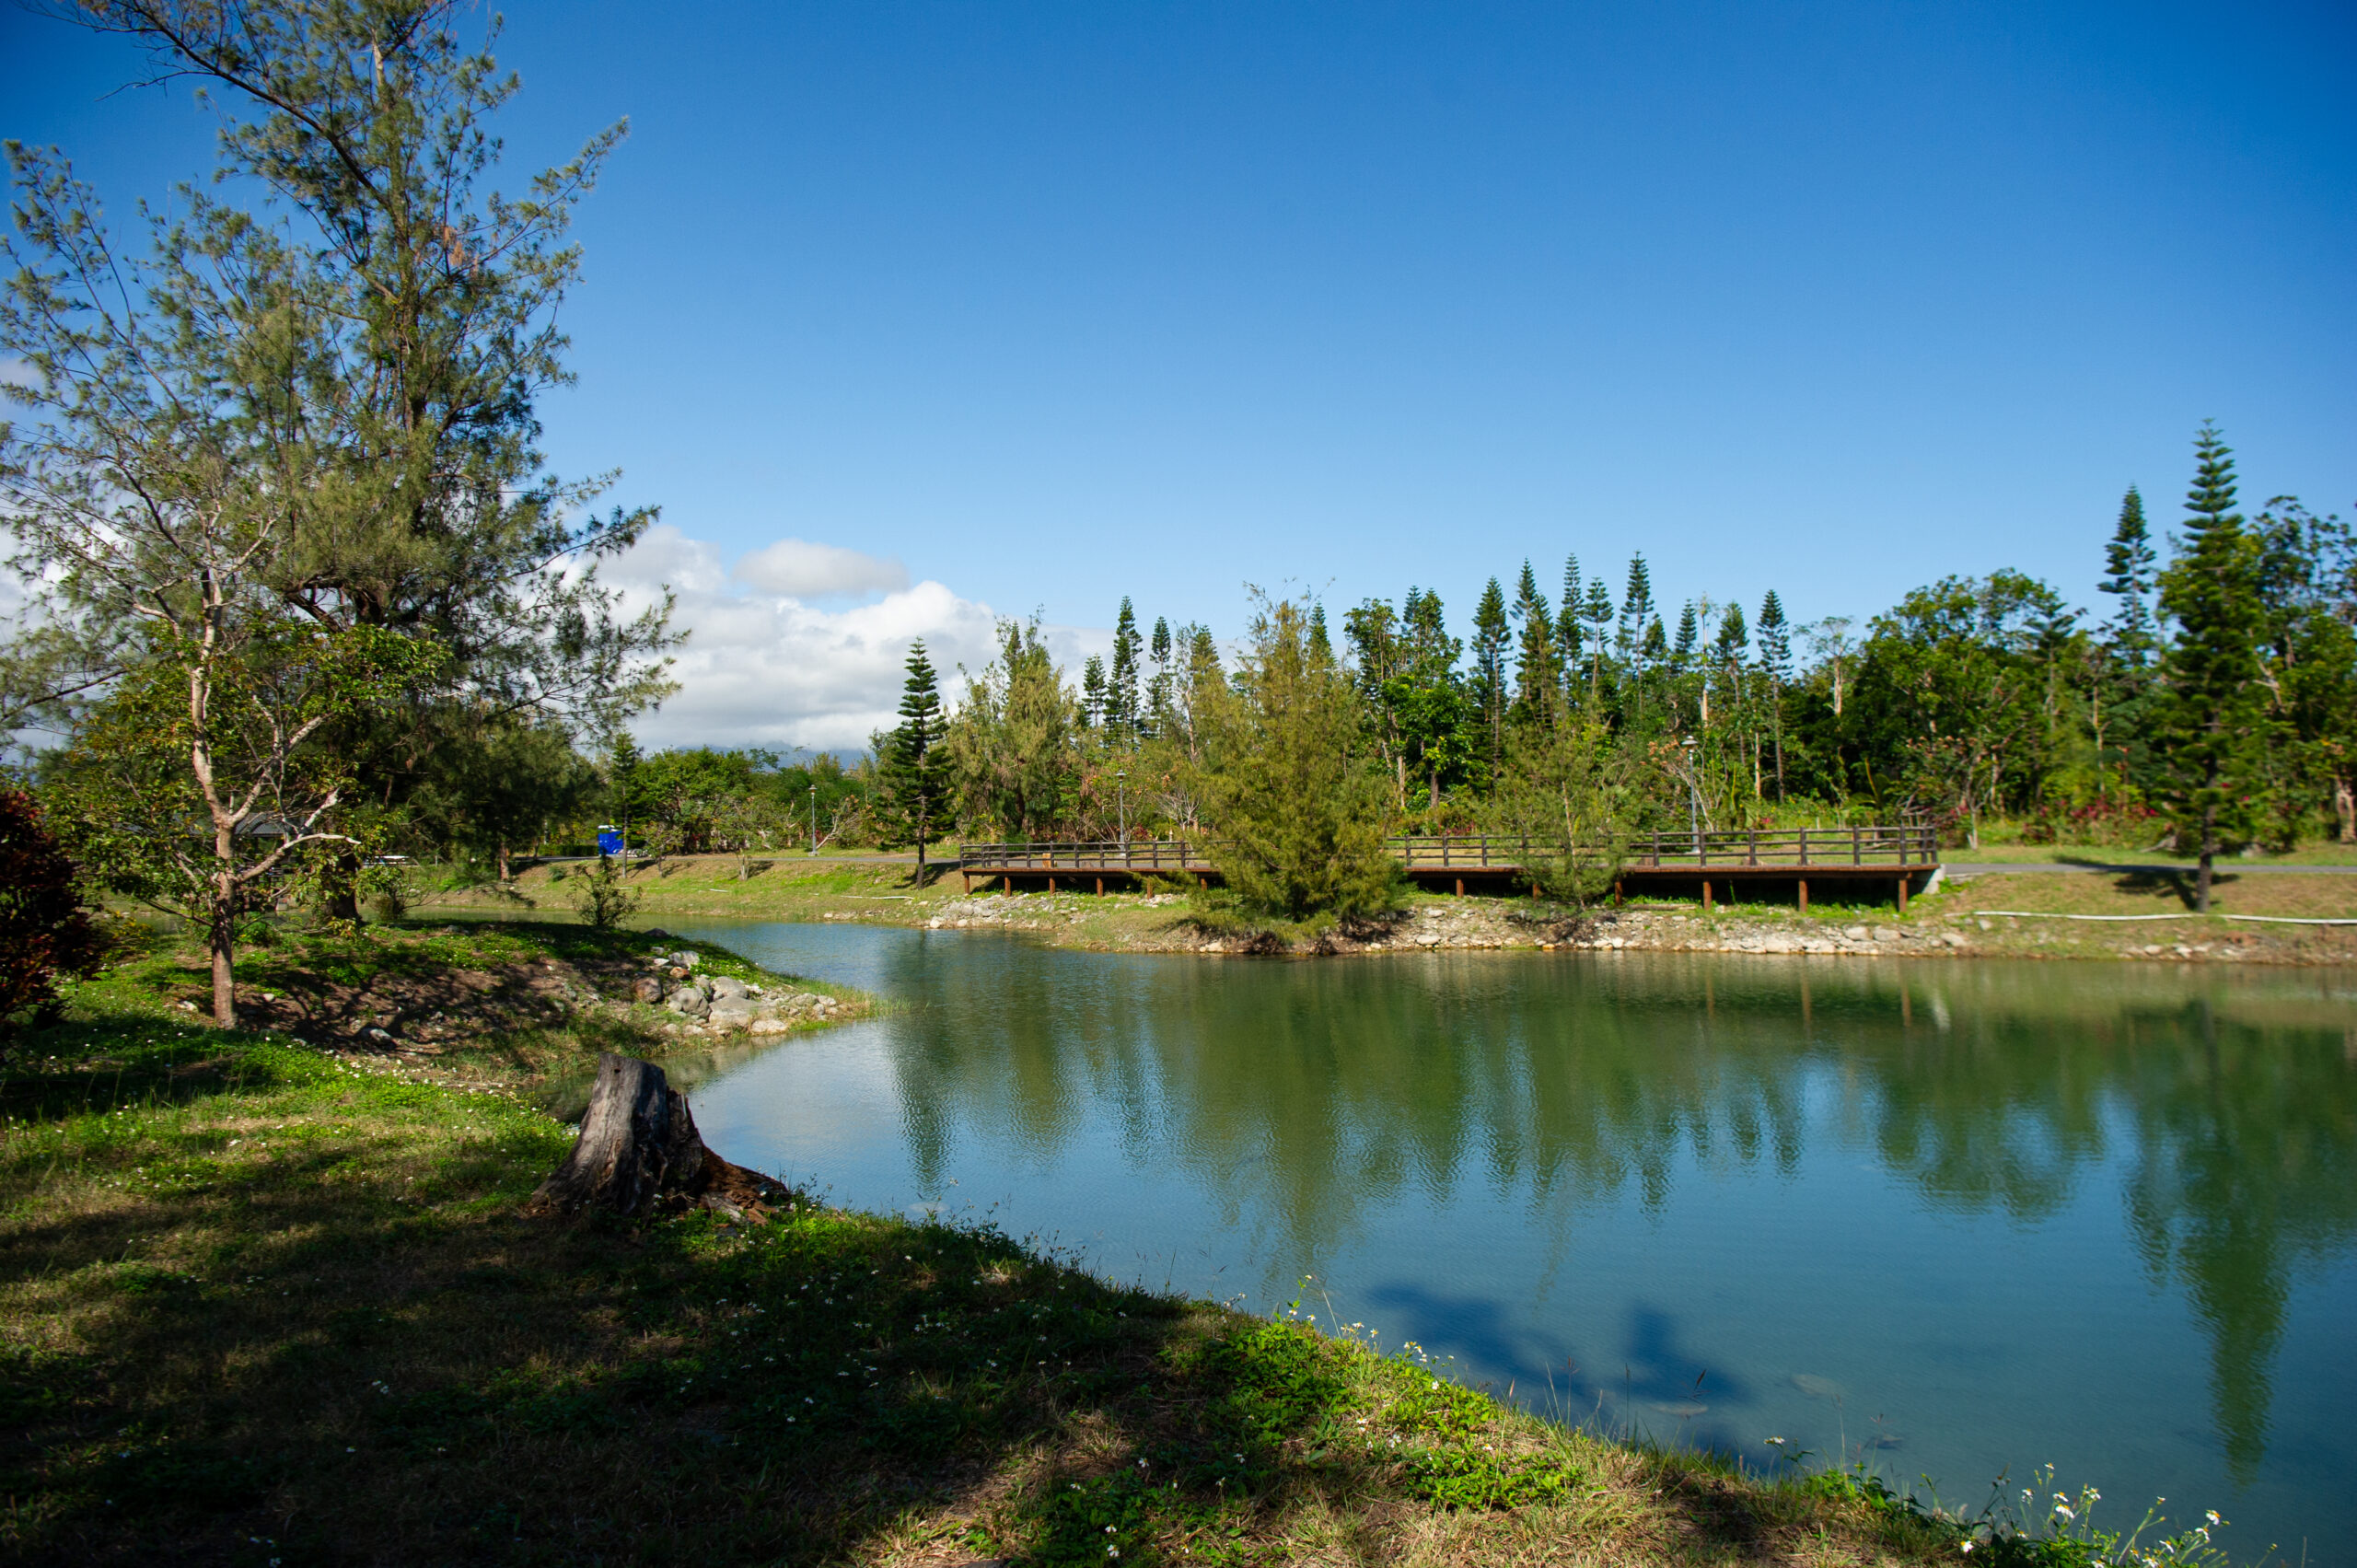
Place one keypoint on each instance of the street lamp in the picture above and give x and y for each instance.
(814, 819)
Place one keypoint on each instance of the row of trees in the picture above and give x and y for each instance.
(2214, 706)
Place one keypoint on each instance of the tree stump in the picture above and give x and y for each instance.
(639, 1151)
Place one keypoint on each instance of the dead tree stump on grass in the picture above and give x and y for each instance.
(639, 1151)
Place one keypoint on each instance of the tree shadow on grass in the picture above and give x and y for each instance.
(336, 1340)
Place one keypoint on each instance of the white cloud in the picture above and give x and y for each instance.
(799, 569)
(765, 668)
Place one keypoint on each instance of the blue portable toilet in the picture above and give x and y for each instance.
(609, 839)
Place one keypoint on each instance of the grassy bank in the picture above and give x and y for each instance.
(264, 1302)
(1944, 924)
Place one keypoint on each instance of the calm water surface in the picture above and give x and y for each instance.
(1957, 1217)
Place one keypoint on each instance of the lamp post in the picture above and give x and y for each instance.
(814, 819)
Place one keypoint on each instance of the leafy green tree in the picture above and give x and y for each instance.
(2210, 719)
(915, 764)
(202, 784)
(45, 932)
(1568, 791)
(502, 786)
(2308, 591)
(1013, 743)
(364, 347)
(1947, 700)
(1296, 804)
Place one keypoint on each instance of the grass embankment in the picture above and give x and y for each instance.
(262, 1302)
(882, 892)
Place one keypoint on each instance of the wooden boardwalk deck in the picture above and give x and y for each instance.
(1903, 857)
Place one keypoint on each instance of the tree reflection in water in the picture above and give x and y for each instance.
(1305, 1096)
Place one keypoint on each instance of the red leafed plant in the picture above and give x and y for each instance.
(45, 930)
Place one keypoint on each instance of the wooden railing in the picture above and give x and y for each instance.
(1143, 856)
(1909, 844)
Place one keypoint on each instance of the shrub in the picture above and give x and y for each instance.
(45, 930)
(603, 901)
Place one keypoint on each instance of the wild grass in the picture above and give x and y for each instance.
(263, 1303)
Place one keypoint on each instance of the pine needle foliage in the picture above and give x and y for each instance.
(1300, 811)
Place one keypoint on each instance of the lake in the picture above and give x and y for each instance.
(1956, 1218)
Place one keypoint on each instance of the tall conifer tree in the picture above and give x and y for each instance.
(1122, 691)
(1489, 666)
(2211, 712)
(2127, 566)
(916, 771)
(1534, 671)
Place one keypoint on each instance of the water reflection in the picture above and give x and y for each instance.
(1384, 1112)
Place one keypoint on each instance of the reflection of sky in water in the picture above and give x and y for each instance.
(1961, 1217)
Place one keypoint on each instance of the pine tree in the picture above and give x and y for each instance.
(2211, 712)
(1095, 706)
(1636, 605)
(1735, 638)
(1158, 688)
(1597, 613)
(1489, 666)
(1776, 663)
(1121, 693)
(1321, 646)
(2129, 562)
(916, 772)
(1681, 651)
(1775, 639)
(623, 778)
(1568, 638)
(1534, 671)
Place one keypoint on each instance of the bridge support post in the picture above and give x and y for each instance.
(1706, 895)
(1100, 887)
(1803, 885)
(1903, 880)
(1461, 887)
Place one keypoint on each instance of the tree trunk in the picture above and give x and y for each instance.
(2209, 852)
(639, 1150)
(340, 889)
(224, 936)
(505, 875)
(2344, 805)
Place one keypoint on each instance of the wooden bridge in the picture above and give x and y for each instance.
(1709, 864)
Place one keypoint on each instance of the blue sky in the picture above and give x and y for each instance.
(1055, 303)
